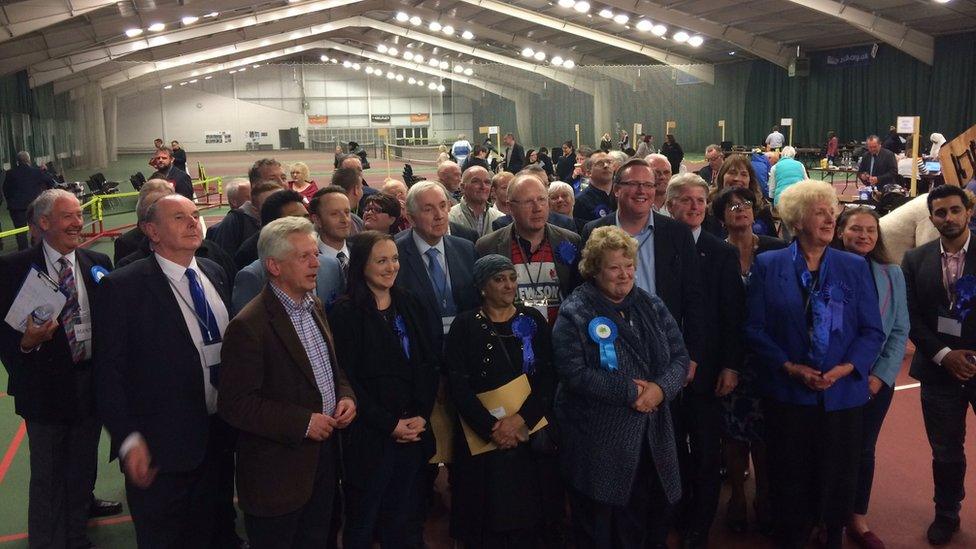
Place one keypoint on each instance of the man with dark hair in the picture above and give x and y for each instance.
(332, 216)
(878, 166)
(566, 164)
(945, 343)
(179, 155)
(22, 184)
(158, 143)
(241, 223)
(351, 182)
(267, 169)
(514, 154)
(279, 204)
(166, 169)
(355, 162)
(478, 157)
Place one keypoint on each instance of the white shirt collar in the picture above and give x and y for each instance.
(696, 233)
(174, 271)
(329, 251)
(423, 246)
(53, 256)
(965, 247)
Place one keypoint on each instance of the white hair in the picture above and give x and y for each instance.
(683, 181)
(421, 187)
(560, 186)
(154, 189)
(274, 238)
(657, 156)
(24, 158)
(788, 152)
(44, 203)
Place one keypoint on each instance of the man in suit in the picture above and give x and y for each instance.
(351, 181)
(165, 169)
(597, 199)
(714, 159)
(878, 167)
(945, 341)
(329, 283)
(130, 240)
(21, 185)
(242, 223)
(279, 204)
(667, 264)
(697, 413)
(355, 162)
(157, 370)
(331, 214)
(514, 154)
(473, 210)
(285, 392)
(50, 373)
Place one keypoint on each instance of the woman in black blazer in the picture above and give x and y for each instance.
(380, 341)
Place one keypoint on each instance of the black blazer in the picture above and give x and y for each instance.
(677, 277)
(461, 231)
(148, 377)
(180, 180)
(723, 311)
(388, 385)
(233, 230)
(885, 167)
(565, 168)
(413, 277)
(22, 184)
(516, 158)
(46, 384)
(129, 242)
(927, 300)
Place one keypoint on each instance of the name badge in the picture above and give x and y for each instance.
(211, 354)
(447, 321)
(950, 326)
(83, 331)
(498, 413)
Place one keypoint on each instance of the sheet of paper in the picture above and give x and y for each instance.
(37, 290)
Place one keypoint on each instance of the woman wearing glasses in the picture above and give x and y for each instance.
(737, 171)
(744, 426)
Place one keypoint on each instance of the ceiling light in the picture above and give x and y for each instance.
(434, 26)
(417, 58)
(659, 30)
(444, 65)
(378, 72)
(347, 63)
(182, 83)
(324, 58)
(696, 41)
(156, 27)
(399, 78)
(232, 72)
(255, 66)
(467, 35)
(189, 19)
(416, 21)
(390, 76)
(582, 7)
(468, 71)
(208, 77)
(556, 60)
(433, 62)
(606, 14)
(621, 18)
(680, 36)
(408, 55)
(540, 56)
(333, 60)
(432, 86)
(381, 48)
(567, 3)
(168, 87)
(569, 64)
(356, 66)
(528, 52)
(369, 70)
(402, 17)
(392, 51)
(132, 33)
(212, 14)
(441, 88)
(644, 25)
(448, 30)
(242, 69)
(194, 81)
(420, 83)
(458, 69)
(411, 80)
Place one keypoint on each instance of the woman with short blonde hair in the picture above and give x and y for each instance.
(301, 181)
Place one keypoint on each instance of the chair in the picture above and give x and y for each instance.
(98, 186)
(137, 180)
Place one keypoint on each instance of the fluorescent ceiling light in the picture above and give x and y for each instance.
(644, 25)
(467, 35)
(194, 81)
(408, 55)
(621, 18)
(347, 63)
(567, 3)
(381, 48)
(168, 87)
(680, 36)
(444, 65)
(528, 52)
(411, 80)
(441, 88)
(416, 21)
(582, 6)
(434, 26)
(659, 30)
(212, 14)
(418, 58)
(606, 14)
(449, 30)
(432, 86)
(156, 27)
(696, 41)
(399, 78)
(458, 69)
(402, 17)
(189, 19)
(324, 58)
(556, 61)
(132, 33)
(208, 77)
(540, 56)
(390, 76)
(356, 66)
(420, 83)
(569, 64)
(378, 72)
(369, 70)
(468, 71)
(392, 51)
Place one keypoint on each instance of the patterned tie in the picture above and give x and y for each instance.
(439, 278)
(210, 330)
(72, 310)
(343, 261)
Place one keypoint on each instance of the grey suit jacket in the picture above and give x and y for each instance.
(251, 280)
(500, 242)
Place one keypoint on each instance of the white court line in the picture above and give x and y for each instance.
(908, 386)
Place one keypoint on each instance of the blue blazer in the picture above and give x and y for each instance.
(776, 327)
(890, 282)
(251, 280)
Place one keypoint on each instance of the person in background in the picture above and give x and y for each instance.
(499, 192)
(944, 335)
(497, 497)
(815, 325)
(179, 155)
(606, 143)
(243, 223)
(566, 164)
(737, 171)
(893, 142)
(277, 205)
(561, 198)
(514, 154)
(547, 163)
(338, 157)
(617, 439)
(284, 389)
(785, 172)
(130, 240)
(449, 175)
(21, 185)
(351, 181)
(775, 140)
(238, 192)
(878, 166)
(713, 158)
(443, 155)
(532, 160)
(644, 148)
(158, 143)
(397, 189)
(597, 199)
(662, 175)
(858, 232)
(381, 213)
(165, 169)
(743, 425)
(833, 148)
(624, 142)
(383, 346)
(937, 140)
(557, 219)
(267, 169)
(460, 150)
(477, 158)
(672, 150)
(473, 210)
(301, 181)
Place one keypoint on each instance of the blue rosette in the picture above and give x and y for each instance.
(401, 330)
(603, 332)
(524, 328)
(837, 295)
(567, 252)
(965, 296)
(98, 273)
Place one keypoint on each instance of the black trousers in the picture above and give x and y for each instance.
(310, 526)
(814, 457)
(182, 510)
(874, 413)
(944, 409)
(63, 463)
(698, 430)
(19, 218)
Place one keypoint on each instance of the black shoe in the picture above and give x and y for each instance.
(694, 540)
(104, 508)
(941, 530)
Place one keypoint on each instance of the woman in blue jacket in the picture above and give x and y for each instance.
(859, 232)
(814, 324)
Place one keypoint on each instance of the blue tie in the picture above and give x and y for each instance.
(210, 330)
(439, 278)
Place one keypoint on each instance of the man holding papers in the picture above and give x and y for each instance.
(50, 371)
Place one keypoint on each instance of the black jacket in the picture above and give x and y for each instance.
(236, 227)
(179, 159)
(207, 250)
(515, 158)
(179, 178)
(565, 168)
(885, 167)
(128, 243)
(23, 184)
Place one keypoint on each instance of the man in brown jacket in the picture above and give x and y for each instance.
(281, 386)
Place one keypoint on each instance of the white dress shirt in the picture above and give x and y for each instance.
(52, 260)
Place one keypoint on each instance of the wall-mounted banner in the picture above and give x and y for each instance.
(380, 118)
(318, 119)
(851, 57)
(420, 117)
(216, 137)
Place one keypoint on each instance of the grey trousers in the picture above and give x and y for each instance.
(63, 465)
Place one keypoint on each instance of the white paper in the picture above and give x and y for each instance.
(786, 122)
(906, 124)
(83, 331)
(37, 290)
(498, 413)
(950, 326)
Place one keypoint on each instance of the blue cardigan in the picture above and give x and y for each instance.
(893, 300)
(776, 327)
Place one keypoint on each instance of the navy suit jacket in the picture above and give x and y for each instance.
(22, 184)
(251, 280)
(148, 377)
(460, 256)
(776, 327)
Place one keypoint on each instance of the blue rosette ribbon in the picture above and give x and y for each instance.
(837, 296)
(567, 252)
(98, 272)
(603, 332)
(401, 330)
(524, 327)
(965, 296)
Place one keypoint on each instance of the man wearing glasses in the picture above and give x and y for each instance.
(597, 199)
(162, 160)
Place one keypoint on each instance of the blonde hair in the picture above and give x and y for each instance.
(301, 167)
(799, 197)
(601, 241)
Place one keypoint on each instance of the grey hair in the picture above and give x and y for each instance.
(24, 158)
(233, 187)
(273, 240)
(683, 181)
(44, 203)
(657, 156)
(153, 189)
(619, 156)
(711, 148)
(788, 152)
(560, 186)
(420, 187)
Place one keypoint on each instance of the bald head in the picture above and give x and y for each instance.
(476, 185)
(396, 189)
(449, 174)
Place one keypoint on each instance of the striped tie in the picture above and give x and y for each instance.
(72, 310)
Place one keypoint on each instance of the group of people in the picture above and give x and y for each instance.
(603, 348)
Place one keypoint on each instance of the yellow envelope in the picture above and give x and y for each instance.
(501, 402)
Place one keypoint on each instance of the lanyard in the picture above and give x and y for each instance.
(204, 325)
(950, 282)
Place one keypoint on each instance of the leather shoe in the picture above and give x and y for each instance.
(104, 508)
(867, 540)
(942, 529)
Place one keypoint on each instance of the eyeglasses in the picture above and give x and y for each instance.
(373, 209)
(736, 206)
(639, 185)
(536, 201)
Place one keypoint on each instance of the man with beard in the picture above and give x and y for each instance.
(166, 169)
